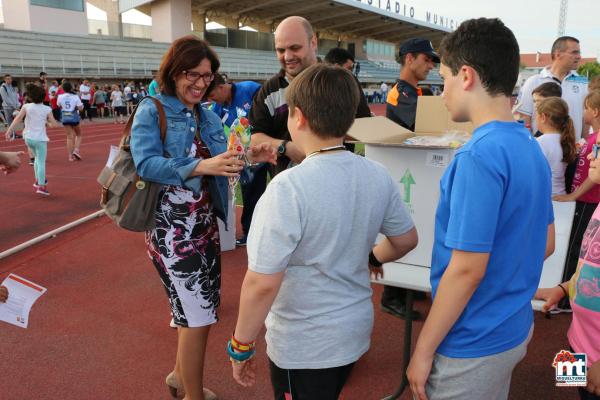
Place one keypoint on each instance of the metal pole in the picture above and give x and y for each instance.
(43, 63)
(81, 64)
(22, 68)
(407, 345)
(114, 66)
(50, 234)
(63, 64)
(98, 66)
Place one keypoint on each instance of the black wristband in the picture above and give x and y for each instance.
(563, 289)
(373, 260)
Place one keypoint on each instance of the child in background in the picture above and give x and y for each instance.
(36, 115)
(558, 139)
(585, 193)
(583, 292)
(545, 90)
(117, 104)
(70, 104)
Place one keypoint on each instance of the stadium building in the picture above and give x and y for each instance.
(57, 37)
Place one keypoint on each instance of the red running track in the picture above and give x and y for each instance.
(101, 331)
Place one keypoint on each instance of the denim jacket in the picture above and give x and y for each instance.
(149, 153)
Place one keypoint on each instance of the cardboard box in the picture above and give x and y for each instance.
(416, 169)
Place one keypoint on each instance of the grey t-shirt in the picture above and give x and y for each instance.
(318, 222)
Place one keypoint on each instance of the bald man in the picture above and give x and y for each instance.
(296, 49)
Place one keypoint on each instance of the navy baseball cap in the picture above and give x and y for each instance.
(418, 45)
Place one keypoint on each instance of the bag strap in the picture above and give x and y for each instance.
(162, 121)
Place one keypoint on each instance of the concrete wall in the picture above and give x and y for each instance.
(171, 19)
(46, 19)
(17, 15)
(20, 15)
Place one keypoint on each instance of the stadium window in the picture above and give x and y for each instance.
(73, 5)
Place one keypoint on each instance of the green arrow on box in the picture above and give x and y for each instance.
(407, 180)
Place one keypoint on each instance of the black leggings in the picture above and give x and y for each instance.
(309, 384)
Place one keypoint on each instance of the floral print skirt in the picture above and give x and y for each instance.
(184, 247)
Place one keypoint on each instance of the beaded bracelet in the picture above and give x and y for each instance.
(239, 357)
(239, 346)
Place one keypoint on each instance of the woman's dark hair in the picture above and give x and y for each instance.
(557, 111)
(35, 93)
(184, 54)
(67, 87)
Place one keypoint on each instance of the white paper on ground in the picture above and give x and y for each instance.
(114, 152)
(21, 296)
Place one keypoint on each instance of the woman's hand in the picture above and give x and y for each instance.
(263, 152)
(244, 373)
(224, 164)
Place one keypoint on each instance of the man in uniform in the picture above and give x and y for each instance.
(417, 58)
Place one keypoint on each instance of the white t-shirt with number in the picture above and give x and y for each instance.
(69, 101)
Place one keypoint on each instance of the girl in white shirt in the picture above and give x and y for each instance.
(70, 106)
(558, 139)
(36, 116)
(118, 104)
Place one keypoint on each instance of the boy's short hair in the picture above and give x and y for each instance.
(487, 46)
(548, 89)
(328, 97)
(35, 93)
(338, 56)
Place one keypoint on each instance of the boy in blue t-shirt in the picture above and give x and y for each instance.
(491, 226)
(228, 97)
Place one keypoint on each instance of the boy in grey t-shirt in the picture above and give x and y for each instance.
(309, 244)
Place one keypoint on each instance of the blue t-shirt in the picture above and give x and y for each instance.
(242, 94)
(495, 197)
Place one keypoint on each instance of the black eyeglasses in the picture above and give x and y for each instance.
(595, 150)
(194, 76)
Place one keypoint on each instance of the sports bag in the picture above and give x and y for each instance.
(126, 197)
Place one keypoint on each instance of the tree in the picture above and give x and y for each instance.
(589, 69)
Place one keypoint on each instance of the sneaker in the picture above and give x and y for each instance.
(31, 161)
(43, 191)
(71, 158)
(241, 241)
(35, 184)
(172, 324)
(76, 154)
(15, 136)
(398, 309)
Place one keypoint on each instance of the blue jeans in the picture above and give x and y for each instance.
(39, 149)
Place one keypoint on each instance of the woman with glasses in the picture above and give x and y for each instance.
(193, 164)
